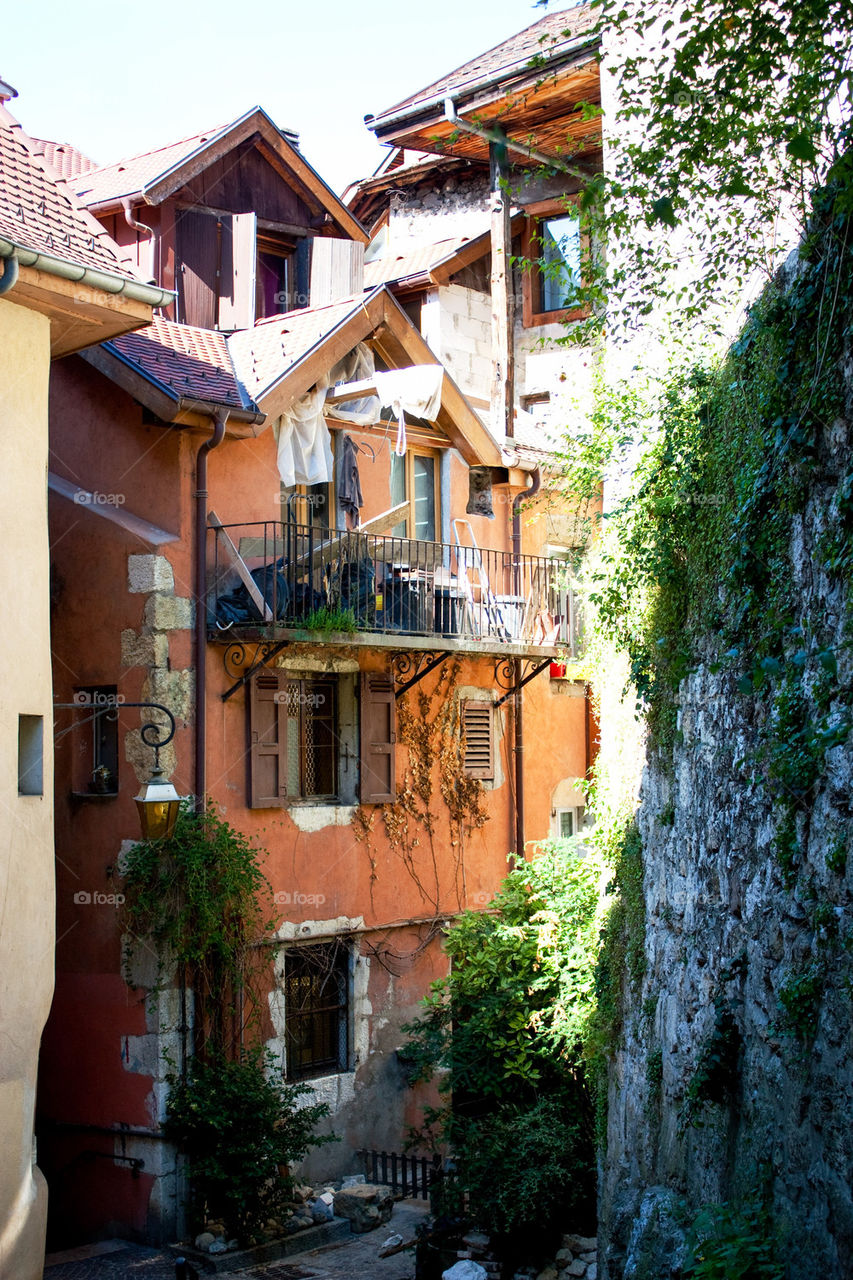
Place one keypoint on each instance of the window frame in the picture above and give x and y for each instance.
(99, 732)
(531, 277)
(340, 964)
(268, 244)
(262, 681)
(408, 523)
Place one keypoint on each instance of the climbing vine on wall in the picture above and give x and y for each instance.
(434, 795)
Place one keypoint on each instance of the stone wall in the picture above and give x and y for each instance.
(743, 962)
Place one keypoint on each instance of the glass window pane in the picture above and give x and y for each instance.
(560, 261)
(424, 473)
(398, 491)
(566, 824)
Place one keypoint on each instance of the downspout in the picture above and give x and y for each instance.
(200, 496)
(10, 274)
(517, 702)
(135, 225)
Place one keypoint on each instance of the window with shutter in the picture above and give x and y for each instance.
(378, 783)
(477, 726)
(293, 740)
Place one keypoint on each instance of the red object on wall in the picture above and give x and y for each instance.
(558, 670)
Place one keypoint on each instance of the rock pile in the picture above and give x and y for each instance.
(576, 1260)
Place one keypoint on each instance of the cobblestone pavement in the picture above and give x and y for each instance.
(352, 1259)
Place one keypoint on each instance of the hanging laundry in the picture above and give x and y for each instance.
(304, 442)
(350, 490)
(416, 390)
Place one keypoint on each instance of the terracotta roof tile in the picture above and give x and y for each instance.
(190, 362)
(542, 38)
(39, 211)
(65, 159)
(397, 266)
(202, 364)
(129, 176)
(263, 354)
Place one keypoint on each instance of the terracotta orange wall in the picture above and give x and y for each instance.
(101, 443)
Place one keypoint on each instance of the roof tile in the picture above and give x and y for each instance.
(263, 354)
(129, 176)
(190, 362)
(39, 211)
(397, 266)
(542, 38)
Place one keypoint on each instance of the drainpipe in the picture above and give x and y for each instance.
(200, 496)
(10, 274)
(135, 225)
(517, 702)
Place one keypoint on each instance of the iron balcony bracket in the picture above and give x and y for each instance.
(533, 669)
(235, 657)
(420, 663)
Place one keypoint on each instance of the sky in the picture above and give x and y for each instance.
(118, 79)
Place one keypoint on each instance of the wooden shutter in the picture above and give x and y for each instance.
(268, 740)
(197, 265)
(477, 725)
(239, 264)
(378, 783)
(337, 270)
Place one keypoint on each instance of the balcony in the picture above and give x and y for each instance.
(274, 581)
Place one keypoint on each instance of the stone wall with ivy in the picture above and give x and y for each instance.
(728, 1030)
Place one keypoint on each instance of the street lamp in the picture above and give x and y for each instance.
(158, 802)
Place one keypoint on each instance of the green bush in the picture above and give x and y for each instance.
(528, 1168)
(734, 1243)
(240, 1127)
(504, 1032)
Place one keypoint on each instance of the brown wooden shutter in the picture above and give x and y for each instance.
(197, 265)
(268, 740)
(477, 725)
(238, 276)
(378, 783)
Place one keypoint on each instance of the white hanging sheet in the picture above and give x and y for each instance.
(304, 442)
(416, 390)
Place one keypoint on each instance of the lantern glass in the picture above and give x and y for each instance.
(158, 804)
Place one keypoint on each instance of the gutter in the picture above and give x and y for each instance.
(104, 281)
(200, 498)
(517, 703)
(414, 109)
(185, 403)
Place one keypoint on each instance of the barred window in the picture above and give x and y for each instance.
(316, 1010)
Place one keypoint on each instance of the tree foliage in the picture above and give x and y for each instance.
(503, 1033)
(725, 116)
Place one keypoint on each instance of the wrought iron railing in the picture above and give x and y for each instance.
(280, 576)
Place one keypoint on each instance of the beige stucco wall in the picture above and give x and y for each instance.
(26, 841)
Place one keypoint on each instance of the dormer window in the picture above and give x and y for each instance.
(275, 282)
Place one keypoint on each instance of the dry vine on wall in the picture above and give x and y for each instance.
(429, 726)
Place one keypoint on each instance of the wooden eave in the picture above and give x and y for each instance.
(172, 410)
(381, 321)
(80, 316)
(400, 343)
(285, 158)
(442, 271)
(540, 108)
